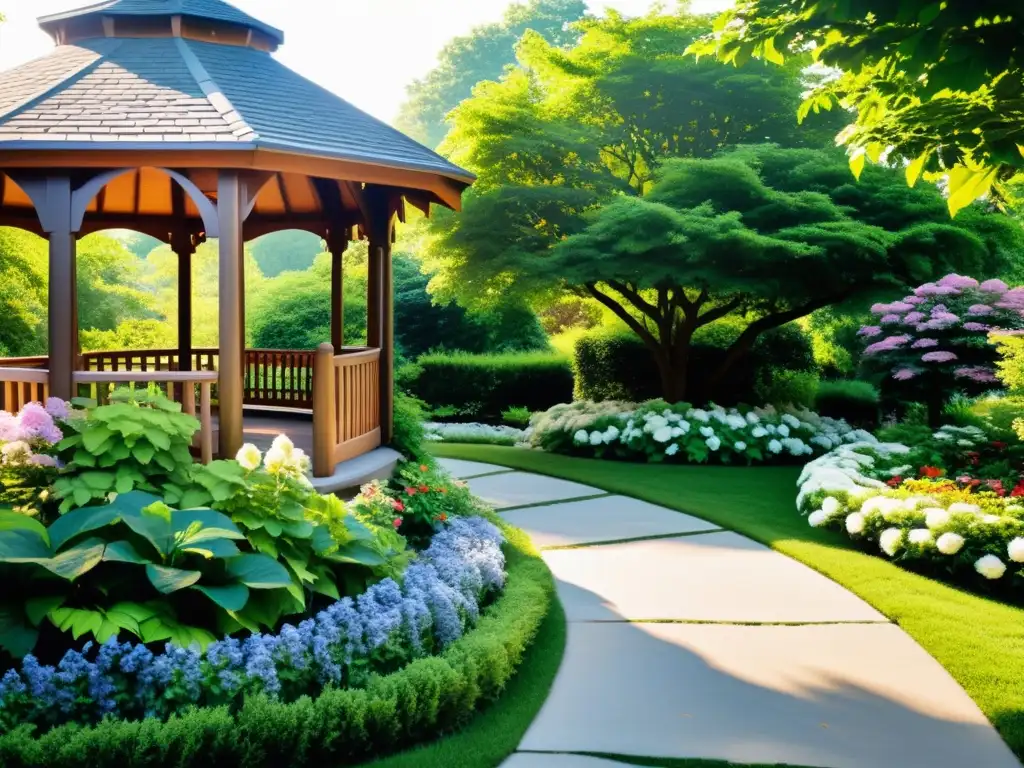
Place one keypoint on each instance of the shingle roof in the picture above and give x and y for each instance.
(216, 10)
(181, 93)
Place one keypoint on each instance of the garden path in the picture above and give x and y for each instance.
(689, 641)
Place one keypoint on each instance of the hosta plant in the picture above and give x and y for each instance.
(135, 566)
(140, 441)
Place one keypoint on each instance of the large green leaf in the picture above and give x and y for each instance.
(143, 452)
(357, 553)
(233, 597)
(77, 621)
(17, 521)
(215, 525)
(20, 545)
(258, 571)
(168, 580)
(16, 637)
(322, 540)
(145, 514)
(36, 608)
(77, 560)
(95, 437)
(123, 552)
(79, 521)
(213, 548)
(159, 439)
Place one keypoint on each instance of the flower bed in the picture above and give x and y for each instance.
(957, 527)
(474, 433)
(657, 431)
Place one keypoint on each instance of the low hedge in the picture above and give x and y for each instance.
(617, 365)
(854, 400)
(428, 697)
(487, 385)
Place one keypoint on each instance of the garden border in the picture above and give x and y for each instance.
(427, 698)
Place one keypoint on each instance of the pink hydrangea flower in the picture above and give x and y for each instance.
(944, 317)
(994, 286)
(904, 374)
(37, 423)
(976, 373)
(958, 281)
(924, 344)
(931, 289)
(913, 318)
(979, 309)
(887, 344)
(42, 460)
(889, 319)
(979, 327)
(914, 300)
(938, 357)
(10, 428)
(57, 408)
(869, 330)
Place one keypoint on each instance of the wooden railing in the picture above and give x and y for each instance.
(280, 378)
(19, 386)
(179, 385)
(346, 406)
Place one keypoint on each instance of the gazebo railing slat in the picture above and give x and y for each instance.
(346, 407)
(19, 386)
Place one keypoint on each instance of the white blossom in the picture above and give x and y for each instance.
(1015, 549)
(249, 457)
(959, 507)
(782, 430)
(596, 438)
(672, 450)
(740, 446)
(775, 446)
(758, 432)
(663, 435)
(713, 443)
(707, 431)
(696, 414)
(831, 505)
(817, 518)
(582, 436)
(950, 543)
(920, 536)
(936, 517)
(855, 523)
(990, 566)
(890, 541)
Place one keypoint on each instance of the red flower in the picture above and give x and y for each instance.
(1018, 489)
(932, 472)
(397, 505)
(443, 490)
(410, 491)
(398, 522)
(973, 456)
(424, 468)
(998, 444)
(894, 482)
(442, 517)
(424, 488)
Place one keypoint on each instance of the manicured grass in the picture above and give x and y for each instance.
(979, 640)
(496, 731)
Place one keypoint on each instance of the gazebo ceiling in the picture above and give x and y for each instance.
(190, 85)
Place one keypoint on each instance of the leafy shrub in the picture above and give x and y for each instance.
(1010, 365)
(516, 416)
(785, 387)
(853, 400)
(407, 435)
(616, 365)
(475, 433)
(536, 380)
(656, 431)
(338, 727)
(140, 441)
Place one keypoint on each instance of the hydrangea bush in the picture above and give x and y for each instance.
(936, 340)
(438, 598)
(28, 463)
(955, 527)
(474, 433)
(656, 431)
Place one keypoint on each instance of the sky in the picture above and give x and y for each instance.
(366, 51)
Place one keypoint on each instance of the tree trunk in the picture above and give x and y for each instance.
(673, 373)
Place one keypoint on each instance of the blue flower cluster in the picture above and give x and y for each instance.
(439, 597)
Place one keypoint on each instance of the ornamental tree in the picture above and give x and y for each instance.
(936, 340)
(940, 83)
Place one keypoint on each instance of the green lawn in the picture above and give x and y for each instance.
(980, 641)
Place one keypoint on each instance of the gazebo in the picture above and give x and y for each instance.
(172, 118)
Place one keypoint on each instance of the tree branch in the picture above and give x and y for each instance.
(717, 313)
(636, 299)
(620, 312)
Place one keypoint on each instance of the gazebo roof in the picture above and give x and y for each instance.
(171, 77)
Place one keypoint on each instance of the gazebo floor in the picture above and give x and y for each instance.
(260, 427)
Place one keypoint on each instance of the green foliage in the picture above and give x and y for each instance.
(1010, 365)
(407, 426)
(932, 83)
(785, 387)
(134, 565)
(140, 441)
(339, 727)
(853, 400)
(488, 384)
(481, 55)
(428, 497)
(292, 250)
(516, 416)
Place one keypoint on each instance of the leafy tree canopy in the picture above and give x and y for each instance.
(481, 55)
(940, 82)
(290, 250)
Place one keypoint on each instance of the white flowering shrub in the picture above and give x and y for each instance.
(474, 433)
(932, 525)
(657, 431)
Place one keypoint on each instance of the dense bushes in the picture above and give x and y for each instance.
(855, 401)
(339, 727)
(486, 385)
(616, 365)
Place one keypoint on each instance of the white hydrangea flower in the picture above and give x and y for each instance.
(1014, 509)
(655, 423)
(990, 519)
(942, 436)
(817, 518)
(936, 517)
(758, 432)
(782, 430)
(990, 566)
(791, 420)
(771, 429)
(775, 446)
(596, 438)
(707, 431)
(696, 414)
(668, 414)
(753, 418)
(831, 505)
(582, 436)
(920, 536)
(855, 523)
(890, 541)
(672, 416)
(672, 450)
(249, 457)
(950, 543)
(736, 422)
(713, 443)
(1015, 549)
(611, 434)
(958, 507)
(284, 444)
(663, 435)
(683, 426)
(718, 415)
(740, 446)
(676, 432)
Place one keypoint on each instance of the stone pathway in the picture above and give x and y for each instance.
(687, 641)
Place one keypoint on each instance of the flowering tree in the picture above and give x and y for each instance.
(937, 339)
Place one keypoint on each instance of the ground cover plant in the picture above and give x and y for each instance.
(657, 431)
(973, 636)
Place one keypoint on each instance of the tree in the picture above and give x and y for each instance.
(481, 55)
(764, 233)
(290, 250)
(941, 83)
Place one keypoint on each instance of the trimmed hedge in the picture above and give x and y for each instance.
(487, 385)
(616, 365)
(428, 697)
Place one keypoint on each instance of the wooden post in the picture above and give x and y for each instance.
(54, 210)
(380, 302)
(337, 294)
(183, 247)
(374, 294)
(229, 208)
(325, 404)
(387, 347)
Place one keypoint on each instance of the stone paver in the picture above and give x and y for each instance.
(707, 577)
(515, 489)
(606, 519)
(839, 696)
(540, 760)
(462, 469)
